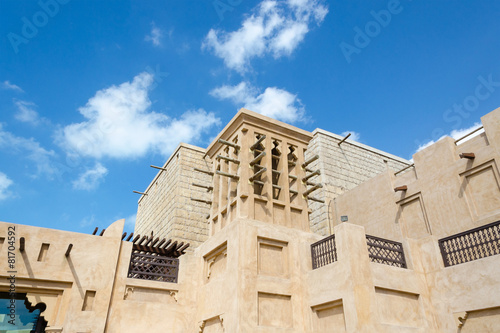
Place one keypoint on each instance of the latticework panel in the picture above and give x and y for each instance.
(324, 252)
(384, 251)
(471, 245)
(147, 266)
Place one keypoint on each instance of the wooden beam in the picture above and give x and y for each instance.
(130, 236)
(22, 242)
(316, 199)
(315, 173)
(102, 232)
(229, 159)
(161, 243)
(204, 171)
(257, 174)
(208, 202)
(183, 247)
(209, 188)
(312, 189)
(256, 144)
(124, 235)
(136, 238)
(225, 174)
(224, 142)
(68, 250)
(141, 193)
(167, 243)
(469, 156)
(309, 161)
(157, 167)
(257, 158)
(342, 141)
(95, 230)
(401, 188)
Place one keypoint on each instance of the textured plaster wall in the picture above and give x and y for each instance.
(342, 167)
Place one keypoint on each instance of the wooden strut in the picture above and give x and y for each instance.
(406, 167)
(257, 158)
(204, 171)
(312, 189)
(208, 202)
(256, 144)
(257, 174)
(309, 161)
(22, 242)
(68, 250)
(209, 188)
(341, 141)
(224, 142)
(469, 156)
(129, 237)
(142, 193)
(95, 230)
(293, 192)
(316, 199)
(401, 188)
(293, 177)
(315, 173)
(157, 167)
(227, 175)
(102, 232)
(258, 182)
(219, 157)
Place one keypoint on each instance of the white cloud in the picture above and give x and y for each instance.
(355, 136)
(5, 182)
(88, 221)
(119, 125)
(455, 134)
(130, 221)
(42, 158)
(273, 102)
(10, 86)
(91, 178)
(276, 27)
(155, 36)
(26, 113)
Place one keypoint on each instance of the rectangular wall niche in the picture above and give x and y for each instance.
(415, 223)
(273, 257)
(483, 189)
(329, 317)
(215, 262)
(398, 307)
(42, 255)
(88, 301)
(275, 310)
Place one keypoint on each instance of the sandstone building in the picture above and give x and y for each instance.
(275, 229)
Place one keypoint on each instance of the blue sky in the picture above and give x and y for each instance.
(93, 92)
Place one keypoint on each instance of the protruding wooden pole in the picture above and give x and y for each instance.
(401, 188)
(68, 250)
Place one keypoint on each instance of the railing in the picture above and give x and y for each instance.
(147, 266)
(385, 251)
(471, 245)
(324, 252)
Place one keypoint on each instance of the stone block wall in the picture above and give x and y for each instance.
(342, 167)
(167, 208)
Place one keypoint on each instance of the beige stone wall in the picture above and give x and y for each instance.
(342, 167)
(167, 209)
(446, 194)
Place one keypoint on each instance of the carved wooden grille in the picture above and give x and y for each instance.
(385, 251)
(471, 245)
(147, 266)
(324, 252)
